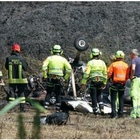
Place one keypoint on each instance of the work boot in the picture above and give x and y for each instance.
(96, 111)
(58, 107)
(113, 116)
(22, 107)
(46, 105)
(102, 111)
(101, 107)
(120, 115)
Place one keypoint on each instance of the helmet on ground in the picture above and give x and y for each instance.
(56, 49)
(16, 47)
(95, 52)
(119, 54)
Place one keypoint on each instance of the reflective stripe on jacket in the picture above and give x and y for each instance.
(19, 79)
(56, 65)
(96, 71)
(16, 65)
(118, 71)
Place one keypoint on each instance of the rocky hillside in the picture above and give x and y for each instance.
(37, 26)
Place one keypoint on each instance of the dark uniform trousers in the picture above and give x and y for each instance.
(20, 90)
(53, 85)
(114, 89)
(96, 96)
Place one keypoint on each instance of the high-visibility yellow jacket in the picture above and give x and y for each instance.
(55, 65)
(96, 70)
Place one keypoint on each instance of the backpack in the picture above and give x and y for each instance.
(57, 118)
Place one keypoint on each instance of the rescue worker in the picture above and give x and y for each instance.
(135, 83)
(113, 59)
(109, 82)
(53, 71)
(16, 65)
(118, 71)
(96, 75)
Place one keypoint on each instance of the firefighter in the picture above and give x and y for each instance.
(118, 72)
(135, 83)
(53, 71)
(16, 65)
(96, 75)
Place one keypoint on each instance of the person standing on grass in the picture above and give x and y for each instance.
(96, 74)
(118, 72)
(113, 59)
(109, 82)
(135, 83)
(53, 72)
(16, 65)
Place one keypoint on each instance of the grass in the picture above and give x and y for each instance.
(80, 126)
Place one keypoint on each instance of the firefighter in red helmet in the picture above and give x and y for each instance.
(16, 65)
(16, 47)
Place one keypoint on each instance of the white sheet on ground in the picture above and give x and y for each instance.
(83, 106)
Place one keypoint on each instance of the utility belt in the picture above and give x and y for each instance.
(53, 76)
(118, 85)
(96, 79)
(54, 79)
(97, 85)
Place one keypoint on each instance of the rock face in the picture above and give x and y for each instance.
(37, 26)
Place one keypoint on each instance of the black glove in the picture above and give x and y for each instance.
(44, 79)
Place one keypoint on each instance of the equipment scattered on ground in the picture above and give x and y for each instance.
(72, 98)
(57, 118)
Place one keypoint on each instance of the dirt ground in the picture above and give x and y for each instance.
(80, 126)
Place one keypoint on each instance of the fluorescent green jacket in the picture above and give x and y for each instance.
(1, 74)
(95, 70)
(56, 65)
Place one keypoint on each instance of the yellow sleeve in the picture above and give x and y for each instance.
(68, 70)
(1, 74)
(105, 74)
(45, 67)
(86, 74)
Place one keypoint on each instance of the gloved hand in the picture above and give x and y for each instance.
(65, 78)
(104, 86)
(44, 79)
(2, 82)
(83, 87)
(62, 80)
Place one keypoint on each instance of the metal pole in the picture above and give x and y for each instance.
(73, 85)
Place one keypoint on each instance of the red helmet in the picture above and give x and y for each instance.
(16, 47)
